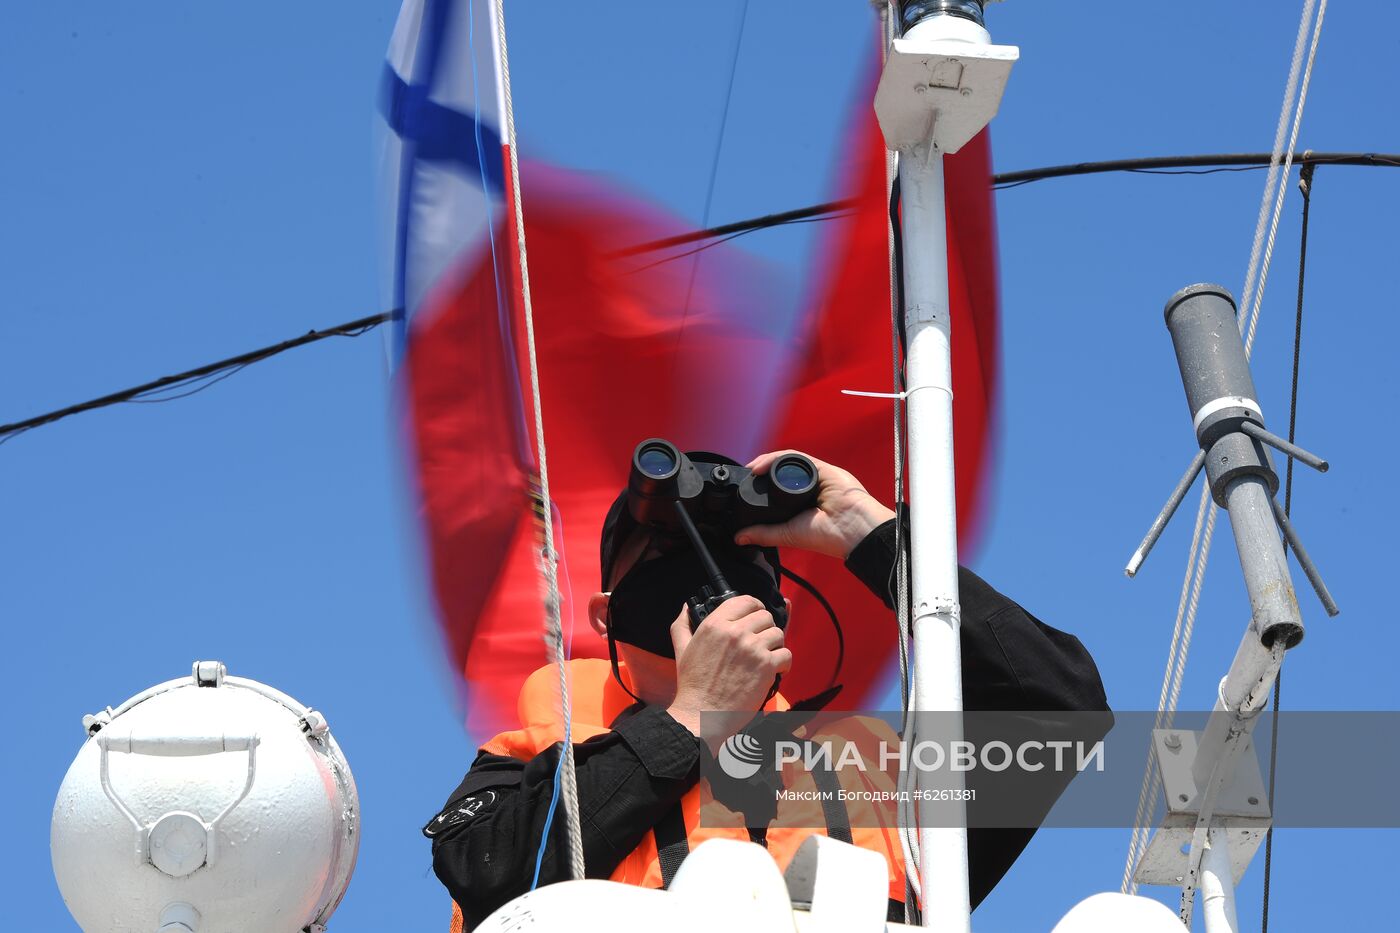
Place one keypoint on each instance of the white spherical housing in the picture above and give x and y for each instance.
(209, 803)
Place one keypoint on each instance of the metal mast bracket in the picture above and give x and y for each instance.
(1241, 809)
(942, 91)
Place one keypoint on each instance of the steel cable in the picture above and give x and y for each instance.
(1256, 277)
(549, 558)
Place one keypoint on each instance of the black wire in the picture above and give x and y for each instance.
(898, 230)
(1142, 171)
(1014, 184)
(1305, 183)
(733, 236)
(815, 212)
(1194, 171)
(714, 175)
(1160, 165)
(835, 623)
(1093, 168)
(902, 551)
(222, 369)
(14, 434)
(154, 399)
(902, 541)
(1219, 162)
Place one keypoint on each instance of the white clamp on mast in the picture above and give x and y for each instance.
(942, 84)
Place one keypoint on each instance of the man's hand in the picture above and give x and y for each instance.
(727, 664)
(845, 513)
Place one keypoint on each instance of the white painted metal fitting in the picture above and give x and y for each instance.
(209, 673)
(942, 84)
(1222, 403)
(179, 917)
(95, 722)
(1242, 805)
(314, 725)
(179, 843)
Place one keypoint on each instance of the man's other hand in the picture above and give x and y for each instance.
(845, 513)
(727, 664)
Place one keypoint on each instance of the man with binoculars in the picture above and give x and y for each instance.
(695, 619)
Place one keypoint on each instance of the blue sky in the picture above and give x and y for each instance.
(182, 182)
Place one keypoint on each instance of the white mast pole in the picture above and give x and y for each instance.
(1218, 885)
(942, 83)
(933, 517)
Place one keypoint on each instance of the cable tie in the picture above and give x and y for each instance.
(891, 395)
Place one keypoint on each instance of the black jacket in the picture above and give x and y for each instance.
(486, 839)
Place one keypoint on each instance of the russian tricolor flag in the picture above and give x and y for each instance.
(628, 347)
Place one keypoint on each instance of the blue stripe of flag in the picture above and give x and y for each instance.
(441, 134)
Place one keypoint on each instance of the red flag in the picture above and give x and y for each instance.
(629, 347)
(622, 355)
(849, 347)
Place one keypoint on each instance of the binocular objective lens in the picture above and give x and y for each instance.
(793, 476)
(656, 462)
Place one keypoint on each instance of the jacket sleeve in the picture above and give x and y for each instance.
(486, 840)
(1011, 661)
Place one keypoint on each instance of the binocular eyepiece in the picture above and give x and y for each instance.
(719, 496)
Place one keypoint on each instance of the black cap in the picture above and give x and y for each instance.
(618, 528)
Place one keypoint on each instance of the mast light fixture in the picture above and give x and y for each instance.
(913, 12)
(944, 79)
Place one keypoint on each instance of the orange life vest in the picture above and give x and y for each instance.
(596, 699)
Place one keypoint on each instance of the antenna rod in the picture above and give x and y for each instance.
(1264, 436)
(716, 576)
(1183, 486)
(1304, 561)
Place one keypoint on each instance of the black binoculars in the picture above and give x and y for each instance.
(720, 497)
